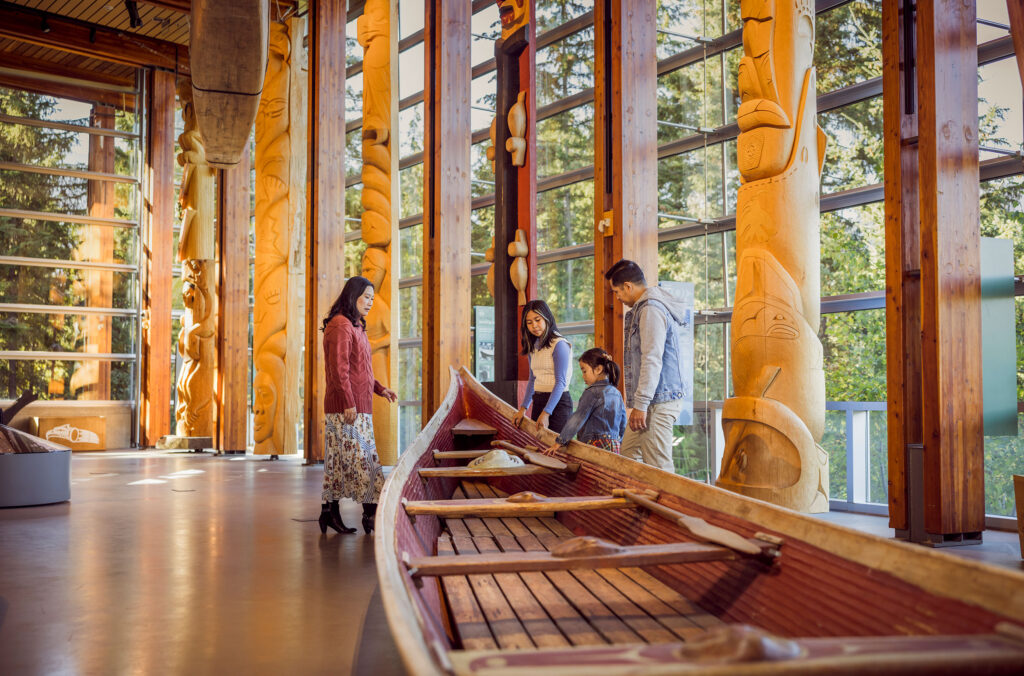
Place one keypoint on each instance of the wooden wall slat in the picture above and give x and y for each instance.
(233, 317)
(325, 224)
(155, 396)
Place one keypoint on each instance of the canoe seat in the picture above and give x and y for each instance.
(474, 473)
(471, 427)
(520, 504)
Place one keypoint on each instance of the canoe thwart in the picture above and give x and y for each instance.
(695, 526)
(473, 427)
(522, 562)
(514, 505)
(473, 473)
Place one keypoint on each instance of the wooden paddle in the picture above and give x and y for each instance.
(532, 457)
(697, 527)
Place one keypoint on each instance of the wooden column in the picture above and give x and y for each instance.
(625, 153)
(92, 379)
(933, 316)
(446, 212)
(233, 319)
(158, 217)
(325, 225)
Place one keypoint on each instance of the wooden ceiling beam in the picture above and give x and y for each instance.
(73, 70)
(90, 40)
(184, 6)
(69, 91)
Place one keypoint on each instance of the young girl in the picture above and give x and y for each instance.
(601, 416)
(550, 368)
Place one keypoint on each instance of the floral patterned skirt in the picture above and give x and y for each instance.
(606, 443)
(351, 466)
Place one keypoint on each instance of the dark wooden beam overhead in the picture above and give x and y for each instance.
(91, 40)
(69, 91)
(184, 6)
(64, 69)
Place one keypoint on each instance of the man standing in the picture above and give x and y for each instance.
(655, 392)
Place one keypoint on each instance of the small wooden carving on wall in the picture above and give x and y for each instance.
(516, 143)
(514, 15)
(777, 417)
(519, 249)
(491, 150)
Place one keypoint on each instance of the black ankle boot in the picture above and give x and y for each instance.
(330, 515)
(369, 513)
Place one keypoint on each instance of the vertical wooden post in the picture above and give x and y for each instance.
(933, 316)
(298, 108)
(446, 212)
(233, 318)
(158, 215)
(625, 153)
(325, 231)
(92, 379)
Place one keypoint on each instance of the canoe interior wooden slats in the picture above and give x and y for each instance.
(498, 507)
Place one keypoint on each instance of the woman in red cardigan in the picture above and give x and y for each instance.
(351, 467)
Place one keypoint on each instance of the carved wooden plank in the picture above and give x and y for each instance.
(495, 507)
(470, 472)
(469, 620)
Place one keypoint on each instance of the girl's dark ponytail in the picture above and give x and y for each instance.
(595, 357)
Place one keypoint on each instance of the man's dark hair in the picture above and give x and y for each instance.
(625, 271)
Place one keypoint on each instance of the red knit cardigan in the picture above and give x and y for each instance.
(350, 381)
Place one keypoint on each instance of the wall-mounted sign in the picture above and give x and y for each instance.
(85, 433)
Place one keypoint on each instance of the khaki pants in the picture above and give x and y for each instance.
(653, 445)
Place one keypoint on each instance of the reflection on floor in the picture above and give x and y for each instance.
(188, 563)
(998, 548)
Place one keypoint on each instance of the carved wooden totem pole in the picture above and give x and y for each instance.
(775, 421)
(273, 152)
(515, 177)
(194, 413)
(374, 33)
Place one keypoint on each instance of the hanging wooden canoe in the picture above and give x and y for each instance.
(620, 568)
(228, 56)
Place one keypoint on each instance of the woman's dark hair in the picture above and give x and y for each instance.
(526, 339)
(346, 302)
(595, 357)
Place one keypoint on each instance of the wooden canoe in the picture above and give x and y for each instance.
(487, 575)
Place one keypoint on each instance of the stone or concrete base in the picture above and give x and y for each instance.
(172, 442)
(34, 478)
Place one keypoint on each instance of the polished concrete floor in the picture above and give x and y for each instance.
(188, 563)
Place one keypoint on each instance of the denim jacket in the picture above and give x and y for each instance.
(600, 414)
(651, 349)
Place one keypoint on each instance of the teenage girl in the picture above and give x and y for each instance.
(550, 368)
(601, 416)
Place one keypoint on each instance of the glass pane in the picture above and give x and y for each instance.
(581, 342)
(853, 156)
(410, 182)
(410, 19)
(482, 298)
(353, 50)
(486, 28)
(689, 98)
(354, 257)
(353, 207)
(854, 355)
(848, 45)
(67, 286)
(853, 250)
(708, 362)
(692, 185)
(483, 175)
(410, 130)
(410, 372)
(67, 380)
(698, 260)
(992, 10)
(484, 90)
(565, 216)
(410, 247)
(553, 13)
(691, 447)
(1002, 214)
(1000, 113)
(1004, 457)
(566, 67)
(408, 424)
(565, 141)
(410, 71)
(679, 22)
(25, 331)
(568, 288)
(410, 316)
(834, 443)
(878, 458)
(31, 238)
(354, 152)
(354, 96)
(482, 233)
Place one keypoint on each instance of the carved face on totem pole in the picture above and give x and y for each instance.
(267, 407)
(514, 15)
